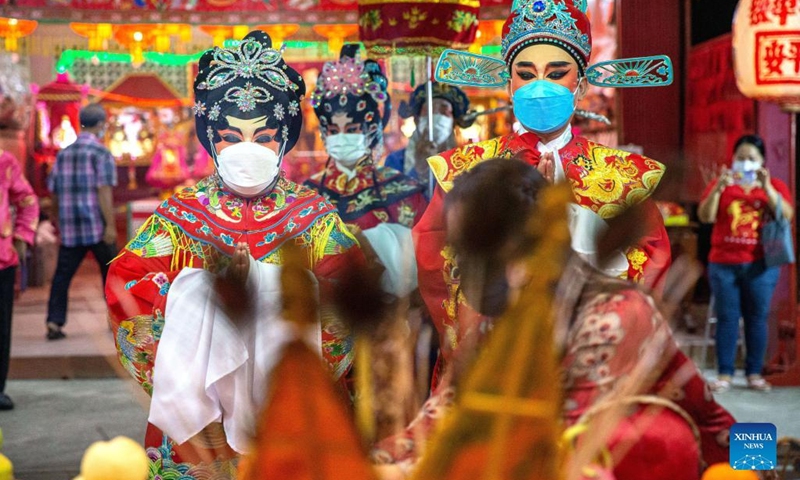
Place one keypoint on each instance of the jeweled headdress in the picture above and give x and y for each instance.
(457, 98)
(247, 81)
(559, 22)
(562, 23)
(356, 88)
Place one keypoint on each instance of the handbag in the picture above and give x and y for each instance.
(776, 238)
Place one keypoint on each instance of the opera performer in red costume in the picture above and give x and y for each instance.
(210, 373)
(352, 105)
(546, 46)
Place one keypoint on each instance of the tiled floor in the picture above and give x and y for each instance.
(88, 350)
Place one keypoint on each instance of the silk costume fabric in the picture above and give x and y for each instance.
(394, 199)
(603, 180)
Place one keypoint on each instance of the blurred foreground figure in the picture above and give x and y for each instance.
(305, 431)
(199, 282)
(546, 47)
(618, 352)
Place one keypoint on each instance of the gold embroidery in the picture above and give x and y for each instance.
(743, 217)
(636, 259)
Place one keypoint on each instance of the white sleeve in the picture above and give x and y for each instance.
(395, 249)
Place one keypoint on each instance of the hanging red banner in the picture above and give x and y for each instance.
(416, 26)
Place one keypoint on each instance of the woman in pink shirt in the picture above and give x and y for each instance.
(17, 230)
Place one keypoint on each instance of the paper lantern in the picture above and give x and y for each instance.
(97, 33)
(419, 27)
(766, 44)
(220, 33)
(336, 35)
(136, 38)
(12, 29)
(279, 33)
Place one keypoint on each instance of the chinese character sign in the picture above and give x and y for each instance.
(766, 46)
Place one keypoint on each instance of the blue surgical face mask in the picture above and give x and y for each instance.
(543, 106)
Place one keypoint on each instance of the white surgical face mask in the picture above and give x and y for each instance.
(248, 168)
(742, 166)
(442, 127)
(346, 148)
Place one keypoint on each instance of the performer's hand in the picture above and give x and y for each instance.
(231, 290)
(240, 264)
(547, 167)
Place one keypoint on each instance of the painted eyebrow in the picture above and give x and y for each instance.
(550, 65)
(265, 127)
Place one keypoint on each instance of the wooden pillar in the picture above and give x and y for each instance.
(652, 117)
(779, 130)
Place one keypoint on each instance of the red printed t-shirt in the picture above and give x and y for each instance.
(737, 231)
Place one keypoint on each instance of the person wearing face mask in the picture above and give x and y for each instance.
(198, 282)
(546, 45)
(450, 105)
(742, 284)
(352, 105)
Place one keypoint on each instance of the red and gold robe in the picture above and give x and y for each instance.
(604, 180)
(199, 227)
(397, 198)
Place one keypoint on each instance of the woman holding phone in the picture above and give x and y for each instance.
(741, 282)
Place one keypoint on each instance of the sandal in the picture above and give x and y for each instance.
(757, 382)
(721, 385)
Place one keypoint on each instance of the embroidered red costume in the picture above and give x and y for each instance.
(604, 180)
(199, 227)
(396, 199)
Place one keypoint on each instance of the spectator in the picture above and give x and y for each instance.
(81, 182)
(16, 234)
(742, 284)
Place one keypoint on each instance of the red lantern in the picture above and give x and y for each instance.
(766, 44)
